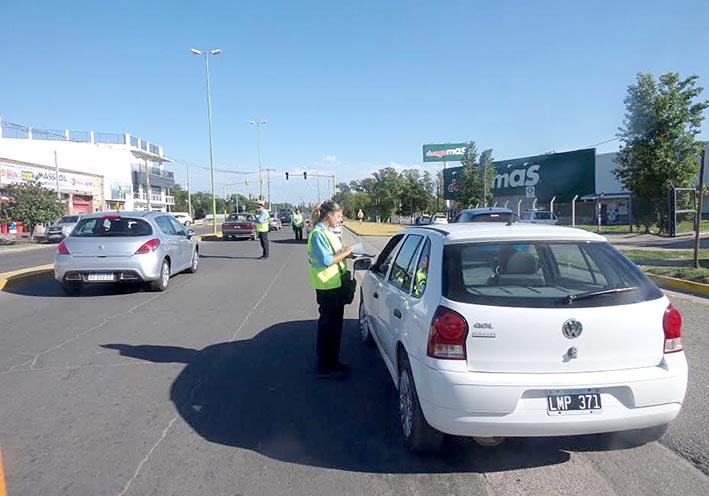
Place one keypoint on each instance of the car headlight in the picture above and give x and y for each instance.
(66, 229)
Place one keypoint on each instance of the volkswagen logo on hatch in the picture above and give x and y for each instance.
(572, 328)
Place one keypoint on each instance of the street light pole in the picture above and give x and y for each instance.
(206, 55)
(258, 146)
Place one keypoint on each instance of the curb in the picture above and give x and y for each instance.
(694, 288)
(9, 280)
(2, 478)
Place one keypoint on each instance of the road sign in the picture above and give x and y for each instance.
(529, 191)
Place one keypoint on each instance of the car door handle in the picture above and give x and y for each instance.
(397, 313)
(375, 295)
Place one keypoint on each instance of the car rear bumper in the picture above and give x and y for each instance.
(484, 404)
(135, 268)
(239, 233)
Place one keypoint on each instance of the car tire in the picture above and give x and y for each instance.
(195, 263)
(417, 434)
(365, 332)
(162, 283)
(187, 223)
(71, 288)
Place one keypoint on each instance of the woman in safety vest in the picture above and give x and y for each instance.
(327, 264)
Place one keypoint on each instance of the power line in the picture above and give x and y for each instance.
(603, 142)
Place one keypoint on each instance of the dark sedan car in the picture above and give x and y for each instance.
(488, 214)
(239, 226)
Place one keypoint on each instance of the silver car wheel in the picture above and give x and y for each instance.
(165, 274)
(406, 404)
(365, 333)
(195, 261)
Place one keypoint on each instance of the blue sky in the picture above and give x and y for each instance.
(346, 87)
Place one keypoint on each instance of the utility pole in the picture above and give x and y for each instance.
(699, 209)
(268, 183)
(189, 193)
(56, 172)
(147, 181)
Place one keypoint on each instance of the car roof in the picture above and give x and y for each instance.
(493, 231)
(487, 210)
(123, 213)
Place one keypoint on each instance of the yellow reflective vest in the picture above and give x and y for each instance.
(263, 226)
(297, 220)
(325, 277)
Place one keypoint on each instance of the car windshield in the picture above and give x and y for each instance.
(542, 275)
(68, 219)
(110, 226)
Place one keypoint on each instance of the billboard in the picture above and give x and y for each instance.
(448, 152)
(554, 174)
(12, 173)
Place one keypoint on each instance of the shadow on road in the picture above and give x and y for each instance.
(229, 257)
(261, 394)
(49, 288)
(291, 241)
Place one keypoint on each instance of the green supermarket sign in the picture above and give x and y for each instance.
(448, 152)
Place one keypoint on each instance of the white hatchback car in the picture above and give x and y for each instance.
(491, 330)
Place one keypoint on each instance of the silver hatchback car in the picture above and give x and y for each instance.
(113, 247)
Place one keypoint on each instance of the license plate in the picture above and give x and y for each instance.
(101, 277)
(565, 403)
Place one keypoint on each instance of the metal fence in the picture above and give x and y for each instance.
(110, 138)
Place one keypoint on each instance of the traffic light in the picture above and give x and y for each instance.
(305, 175)
(287, 175)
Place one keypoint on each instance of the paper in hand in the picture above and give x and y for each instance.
(358, 250)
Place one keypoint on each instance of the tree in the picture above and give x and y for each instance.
(32, 204)
(414, 196)
(477, 177)
(387, 190)
(658, 148)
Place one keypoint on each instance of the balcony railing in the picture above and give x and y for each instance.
(154, 171)
(164, 199)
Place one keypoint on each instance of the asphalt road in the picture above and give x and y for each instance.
(209, 388)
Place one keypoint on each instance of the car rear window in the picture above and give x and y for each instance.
(68, 219)
(543, 275)
(112, 227)
(493, 217)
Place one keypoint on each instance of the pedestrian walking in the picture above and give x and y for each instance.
(360, 215)
(298, 225)
(327, 256)
(262, 225)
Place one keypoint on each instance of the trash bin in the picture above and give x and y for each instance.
(19, 228)
(13, 228)
(4, 229)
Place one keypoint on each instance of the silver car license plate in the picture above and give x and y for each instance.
(101, 277)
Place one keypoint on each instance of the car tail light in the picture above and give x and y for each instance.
(672, 324)
(62, 249)
(446, 337)
(148, 247)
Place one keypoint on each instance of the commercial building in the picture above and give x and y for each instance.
(90, 171)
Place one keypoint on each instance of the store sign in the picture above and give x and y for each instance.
(448, 152)
(543, 176)
(12, 173)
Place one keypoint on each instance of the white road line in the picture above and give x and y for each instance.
(258, 303)
(145, 459)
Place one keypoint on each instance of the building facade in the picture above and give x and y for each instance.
(90, 171)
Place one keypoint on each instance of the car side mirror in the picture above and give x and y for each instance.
(364, 263)
(190, 233)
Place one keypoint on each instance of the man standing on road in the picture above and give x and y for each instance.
(298, 225)
(262, 225)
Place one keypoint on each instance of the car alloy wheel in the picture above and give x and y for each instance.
(195, 262)
(162, 283)
(365, 333)
(406, 404)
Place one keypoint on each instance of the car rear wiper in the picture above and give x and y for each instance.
(584, 296)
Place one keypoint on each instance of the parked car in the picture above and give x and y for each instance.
(488, 214)
(184, 218)
(496, 330)
(275, 223)
(118, 247)
(539, 217)
(239, 226)
(439, 219)
(61, 228)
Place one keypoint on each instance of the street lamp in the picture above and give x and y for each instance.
(206, 55)
(258, 145)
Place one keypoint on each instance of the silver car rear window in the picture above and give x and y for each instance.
(112, 226)
(543, 275)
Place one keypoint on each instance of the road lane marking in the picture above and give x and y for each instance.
(146, 457)
(263, 296)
